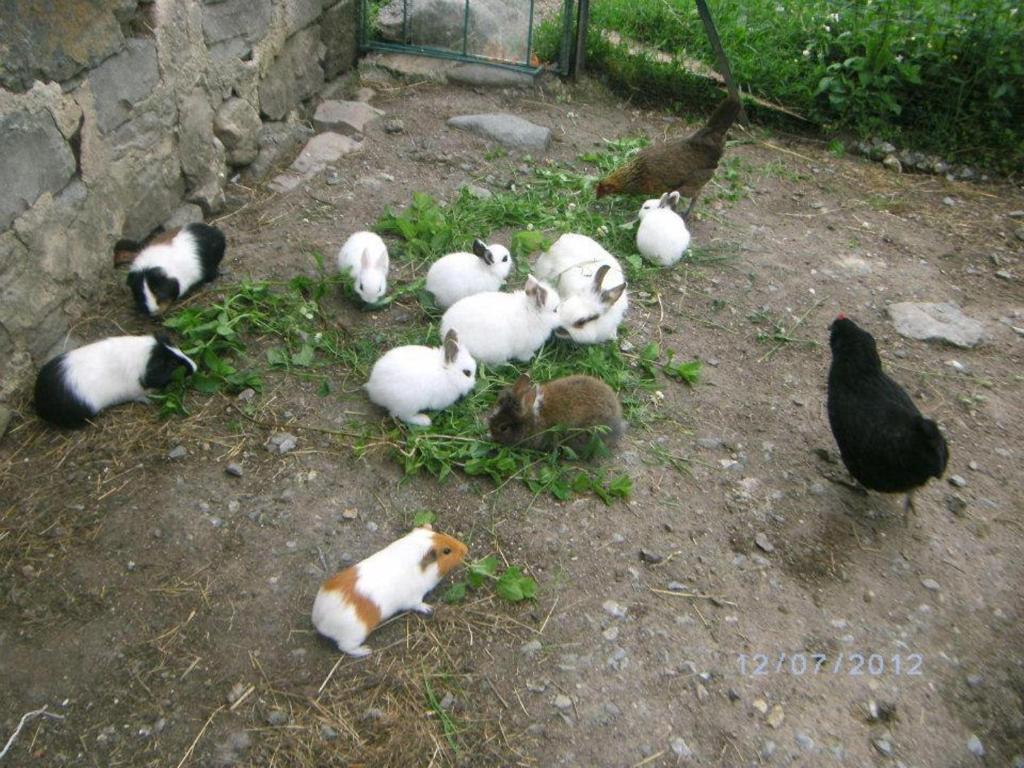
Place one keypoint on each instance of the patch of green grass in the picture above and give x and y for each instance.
(510, 585)
(941, 75)
(448, 726)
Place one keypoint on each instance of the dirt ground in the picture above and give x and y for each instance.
(161, 606)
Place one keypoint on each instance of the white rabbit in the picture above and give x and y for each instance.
(459, 275)
(75, 386)
(411, 379)
(581, 269)
(351, 604)
(497, 327)
(662, 237)
(365, 256)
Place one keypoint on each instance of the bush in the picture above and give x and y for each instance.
(943, 75)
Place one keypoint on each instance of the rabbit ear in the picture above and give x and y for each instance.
(599, 276)
(526, 392)
(612, 295)
(382, 260)
(451, 346)
(670, 200)
(664, 201)
(480, 249)
(365, 260)
(536, 291)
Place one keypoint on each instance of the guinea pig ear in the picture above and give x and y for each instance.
(451, 346)
(612, 295)
(482, 251)
(599, 276)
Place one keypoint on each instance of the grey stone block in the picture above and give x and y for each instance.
(323, 149)
(183, 215)
(202, 154)
(347, 117)
(295, 75)
(301, 13)
(936, 322)
(510, 130)
(151, 190)
(237, 125)
(278, 144)
(122, 81)
(338, 33)
(54, 41)
(34, 158)
(230, 28)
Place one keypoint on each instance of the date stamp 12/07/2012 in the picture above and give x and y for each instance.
(853, 664)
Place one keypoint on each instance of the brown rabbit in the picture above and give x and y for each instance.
(527, 412)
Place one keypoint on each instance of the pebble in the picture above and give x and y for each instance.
(177, 452)
(975, 747)
(930, 584)
(349, 514)
(235, 470)
(893, 164)
(245, 395)
(614, 609)
(948, 201)
(957, 481)
(277, 717)
(883, 745)
(281, 442)
(776, 716)
(762, 542)
(448, 702)
(702, 693)
(530, 648)
(235, 693)
(611, 634)
(803, 740)
(1019, 232)
(394, 125)
(956, 504)
(327, 733)
(652, 558)
(680, 748)
(562, 702)
(975, 680)
(768, 749)
(760, 705)
(675, 586)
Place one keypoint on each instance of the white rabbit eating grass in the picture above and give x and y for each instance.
(365, 256)
(461, 274)
(498, 327)
(411, 379)
(662, 237)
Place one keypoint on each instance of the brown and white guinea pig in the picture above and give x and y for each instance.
(75, 386)
(172, 264)
(351, 604)
(536, 415)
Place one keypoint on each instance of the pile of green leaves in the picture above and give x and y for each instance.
(510, 584)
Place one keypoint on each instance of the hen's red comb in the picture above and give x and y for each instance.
(841, 316)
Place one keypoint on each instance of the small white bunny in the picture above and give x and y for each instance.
(662, 237)
(365, 256)
(411, 379)
(497, 327)
(592, 286)
(461, 274)
(352, 603)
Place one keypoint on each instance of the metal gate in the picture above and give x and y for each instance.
(495, 32)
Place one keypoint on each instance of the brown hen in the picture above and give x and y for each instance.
(685, 165)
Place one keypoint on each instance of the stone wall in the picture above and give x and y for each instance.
(121, 116)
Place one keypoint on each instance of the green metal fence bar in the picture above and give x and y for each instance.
(565, 51)
(529, 35)
(465, 30)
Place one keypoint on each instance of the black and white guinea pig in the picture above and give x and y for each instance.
(172, 265)
(77, 385)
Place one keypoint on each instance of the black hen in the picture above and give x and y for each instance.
(885, 442)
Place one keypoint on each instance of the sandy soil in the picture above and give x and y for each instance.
(160, 606)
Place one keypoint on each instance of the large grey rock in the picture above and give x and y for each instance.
(346, 117)
(122, 81)
(302, 13)
(510, 130)
(183, 215)
(34, 158)
(294, 76)
(936, 322)
(338, 34)
(231, 27)
(237, 125)
(202, 154)
(489, 77)
(54, 40)
(322, 150)
(150, 191)
(278, 143)
(495, 28)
